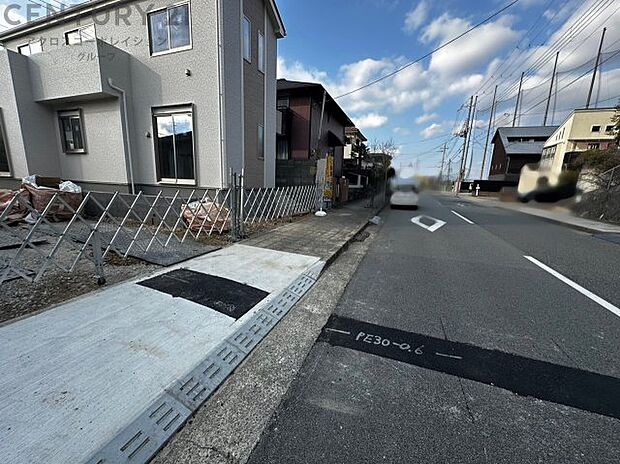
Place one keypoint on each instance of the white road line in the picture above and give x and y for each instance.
(338, 331)
(438, 224)
(462, 217)
(597, 299)
(448, 356)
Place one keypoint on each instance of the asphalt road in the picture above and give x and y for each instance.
(452, 346)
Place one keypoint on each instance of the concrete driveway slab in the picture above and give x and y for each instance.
(74, 378)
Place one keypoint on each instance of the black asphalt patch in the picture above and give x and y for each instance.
(572, 387)
(225, 296)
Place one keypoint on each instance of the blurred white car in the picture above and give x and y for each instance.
(404, 194)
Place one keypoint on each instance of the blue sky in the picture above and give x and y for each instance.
(344, 44)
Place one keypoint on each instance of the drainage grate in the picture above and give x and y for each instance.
(139, 442)
(146, 435)
(223, 295)
(253, 331)
(315, 271)
(301, 285)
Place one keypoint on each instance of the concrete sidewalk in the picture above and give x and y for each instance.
(555, 214)
(324, 237)
(110, 376)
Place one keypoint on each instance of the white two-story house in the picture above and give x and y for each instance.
(130, 95)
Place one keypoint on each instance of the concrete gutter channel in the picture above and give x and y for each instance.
(227, 427)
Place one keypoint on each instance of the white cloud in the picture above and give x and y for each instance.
(416, 17)
(471, 51)
(403, 131)
(296, 71)
(426, 118)
(460, 69)
(370, 121)
(431, 130)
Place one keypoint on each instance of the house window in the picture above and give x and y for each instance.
(593, 146)
(170, 29)
(609, 129)
(4, 151)
(596, 128)
(247, 40)
(174, 145)
(261, 52)
(81, 35)
(72, 131)
(261, 141)
(283, 103)
(30, 48)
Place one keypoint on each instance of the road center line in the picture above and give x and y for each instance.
(597, 299)
(462, 217)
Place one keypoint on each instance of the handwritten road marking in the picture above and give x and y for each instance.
(597, 299)
(448, 356)
(462, 217)
(338, 331)
(436, 226)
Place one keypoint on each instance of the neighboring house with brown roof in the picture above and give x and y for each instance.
(302, 137)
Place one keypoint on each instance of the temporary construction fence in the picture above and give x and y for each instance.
(151, 227)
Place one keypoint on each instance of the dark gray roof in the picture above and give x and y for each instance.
(313, 89)
(523, 148)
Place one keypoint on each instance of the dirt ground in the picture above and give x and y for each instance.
(20, 297)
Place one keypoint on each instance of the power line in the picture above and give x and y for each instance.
(584, 20)
(408, 65)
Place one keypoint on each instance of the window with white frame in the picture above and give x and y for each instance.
(31, 48)
(72, 131)
(609, 129)
(81, 35)
(174, 144)
(593, 146)
(247, 40)
(596, 128)
(4, 150)
(170, 29)
(261, 52)
(261, 141)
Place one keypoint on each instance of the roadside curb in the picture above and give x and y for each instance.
(245, 403)
(350, 240)
(580, 227)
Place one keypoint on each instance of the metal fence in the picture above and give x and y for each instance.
(61, 232)
(612, 177)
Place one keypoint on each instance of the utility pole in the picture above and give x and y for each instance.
(598, 59)
(514, 119)
(471, 136)
(464, 134)
(486, 144)
(555, 67)
(443, 160)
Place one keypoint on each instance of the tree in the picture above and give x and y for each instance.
(360, 152)
(596, 164)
